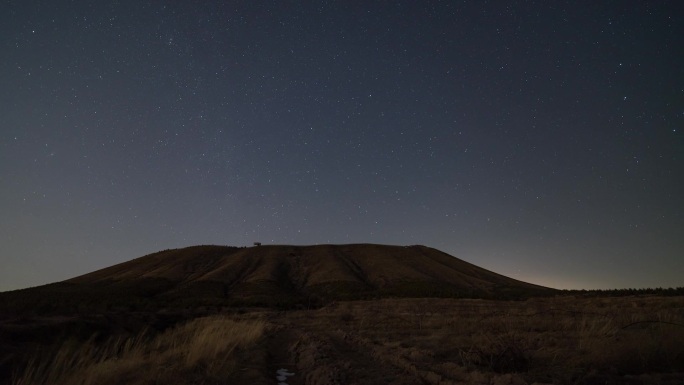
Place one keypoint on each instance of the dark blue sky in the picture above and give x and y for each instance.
(541, 140)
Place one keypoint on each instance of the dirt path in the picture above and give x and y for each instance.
(330, 358)
(280, 357)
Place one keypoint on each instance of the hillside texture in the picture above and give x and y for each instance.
(289, 274)
(268, 276)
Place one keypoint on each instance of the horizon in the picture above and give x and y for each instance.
(352, 244)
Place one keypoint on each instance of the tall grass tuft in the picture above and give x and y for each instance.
(201, 348)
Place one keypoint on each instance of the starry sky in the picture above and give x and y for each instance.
(542, 140)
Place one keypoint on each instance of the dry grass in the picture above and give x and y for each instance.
(573, 341)
(557, 340)
(203, 348)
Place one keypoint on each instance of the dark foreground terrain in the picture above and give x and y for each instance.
(627, 340)
(330, 314)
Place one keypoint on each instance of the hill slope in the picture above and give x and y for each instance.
(291, 273)
(282, 276)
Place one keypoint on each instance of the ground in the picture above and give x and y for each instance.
(562, 340)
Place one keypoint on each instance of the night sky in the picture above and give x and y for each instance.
(543, 140)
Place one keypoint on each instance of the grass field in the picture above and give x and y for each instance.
(204, 349)
(563, 340)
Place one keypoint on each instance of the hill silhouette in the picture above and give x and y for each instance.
(163, 290)
(274, 275)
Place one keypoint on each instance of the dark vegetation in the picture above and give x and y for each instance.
(662, 292)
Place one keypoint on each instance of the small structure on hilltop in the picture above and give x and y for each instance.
(257, 243)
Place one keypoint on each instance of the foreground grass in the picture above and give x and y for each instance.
(204, 349)
(565, 340)
(635, 340)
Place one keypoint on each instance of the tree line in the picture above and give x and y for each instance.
(658, 291)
